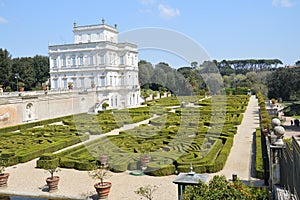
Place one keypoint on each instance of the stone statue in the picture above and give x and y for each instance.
(278, 132)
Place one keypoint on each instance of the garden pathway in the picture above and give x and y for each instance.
(240, 160)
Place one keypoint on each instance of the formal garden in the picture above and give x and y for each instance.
(25, 142)
(201, 135)
(173, 139)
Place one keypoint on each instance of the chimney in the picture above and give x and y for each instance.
(103, 21)
(75, 24)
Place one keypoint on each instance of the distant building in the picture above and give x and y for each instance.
(96, 61)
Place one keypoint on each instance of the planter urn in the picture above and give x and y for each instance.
(3, 180)
(103, 189)
(52, 183)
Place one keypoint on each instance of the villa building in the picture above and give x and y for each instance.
(96, 61)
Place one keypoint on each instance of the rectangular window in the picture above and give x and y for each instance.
(110, 80)
(91, 60)
(73, 61)
(54, 62)
(74, 83)
(122, 80)
(102, 61)
(80, 60)
(55, 84)
(64, 62)
(116, 101)
(102, 81)
(132, 60)
(65, 83)
(121, 60)
(110, 59)
(82, 83)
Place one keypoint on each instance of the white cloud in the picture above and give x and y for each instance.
(3, 20)
(147, 2)
(282, 3)
(167, 12)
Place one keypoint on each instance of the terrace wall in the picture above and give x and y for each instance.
(34, 107)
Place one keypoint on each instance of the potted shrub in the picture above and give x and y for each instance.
(105, 105)
(21, 86)
(93, 85)
(3, 176)
(70, 85)
(44, 86)
(102, 188)
(52, 181)
(103, 159)
(49, 162)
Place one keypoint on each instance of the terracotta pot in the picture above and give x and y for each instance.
(103, 190)
(3, 180)
(52, 183)
(44, 87)
(103, 159)
(145, 160)
(21, 89)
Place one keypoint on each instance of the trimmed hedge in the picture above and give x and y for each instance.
(259, 168)
(172, 147)
(47, 161)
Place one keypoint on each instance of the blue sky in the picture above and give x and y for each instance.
(231, 29)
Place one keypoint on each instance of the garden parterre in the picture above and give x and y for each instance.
(201, 135)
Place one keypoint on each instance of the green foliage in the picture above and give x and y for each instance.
(284, 83)
(33, 71)
(147, 191)
(173, 141)
(100, 173)
(259, 169)
(220, 188)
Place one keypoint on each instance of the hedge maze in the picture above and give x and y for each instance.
(107, 121)
(25, 145)
(200, 135)
(28, 141)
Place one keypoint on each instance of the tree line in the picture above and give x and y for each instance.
(209, 76)
(28, 72)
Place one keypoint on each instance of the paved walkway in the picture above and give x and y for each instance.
(240, 160)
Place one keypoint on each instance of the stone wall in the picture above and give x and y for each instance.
(27, 108)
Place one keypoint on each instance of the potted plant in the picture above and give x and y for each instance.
(3, 176)
(103, 159)
(102, 188)
(52, 181)
(93, 85)
(105, 105)
(21, 86)
(50, 162)
(70, 85)
(44, 86)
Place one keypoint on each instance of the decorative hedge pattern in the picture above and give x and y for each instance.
(108, 120)
(19, 147)
(173, 141)
(33, 140)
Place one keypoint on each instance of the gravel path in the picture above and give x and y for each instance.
(240, 160)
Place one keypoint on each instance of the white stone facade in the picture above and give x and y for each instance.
(97, 61)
